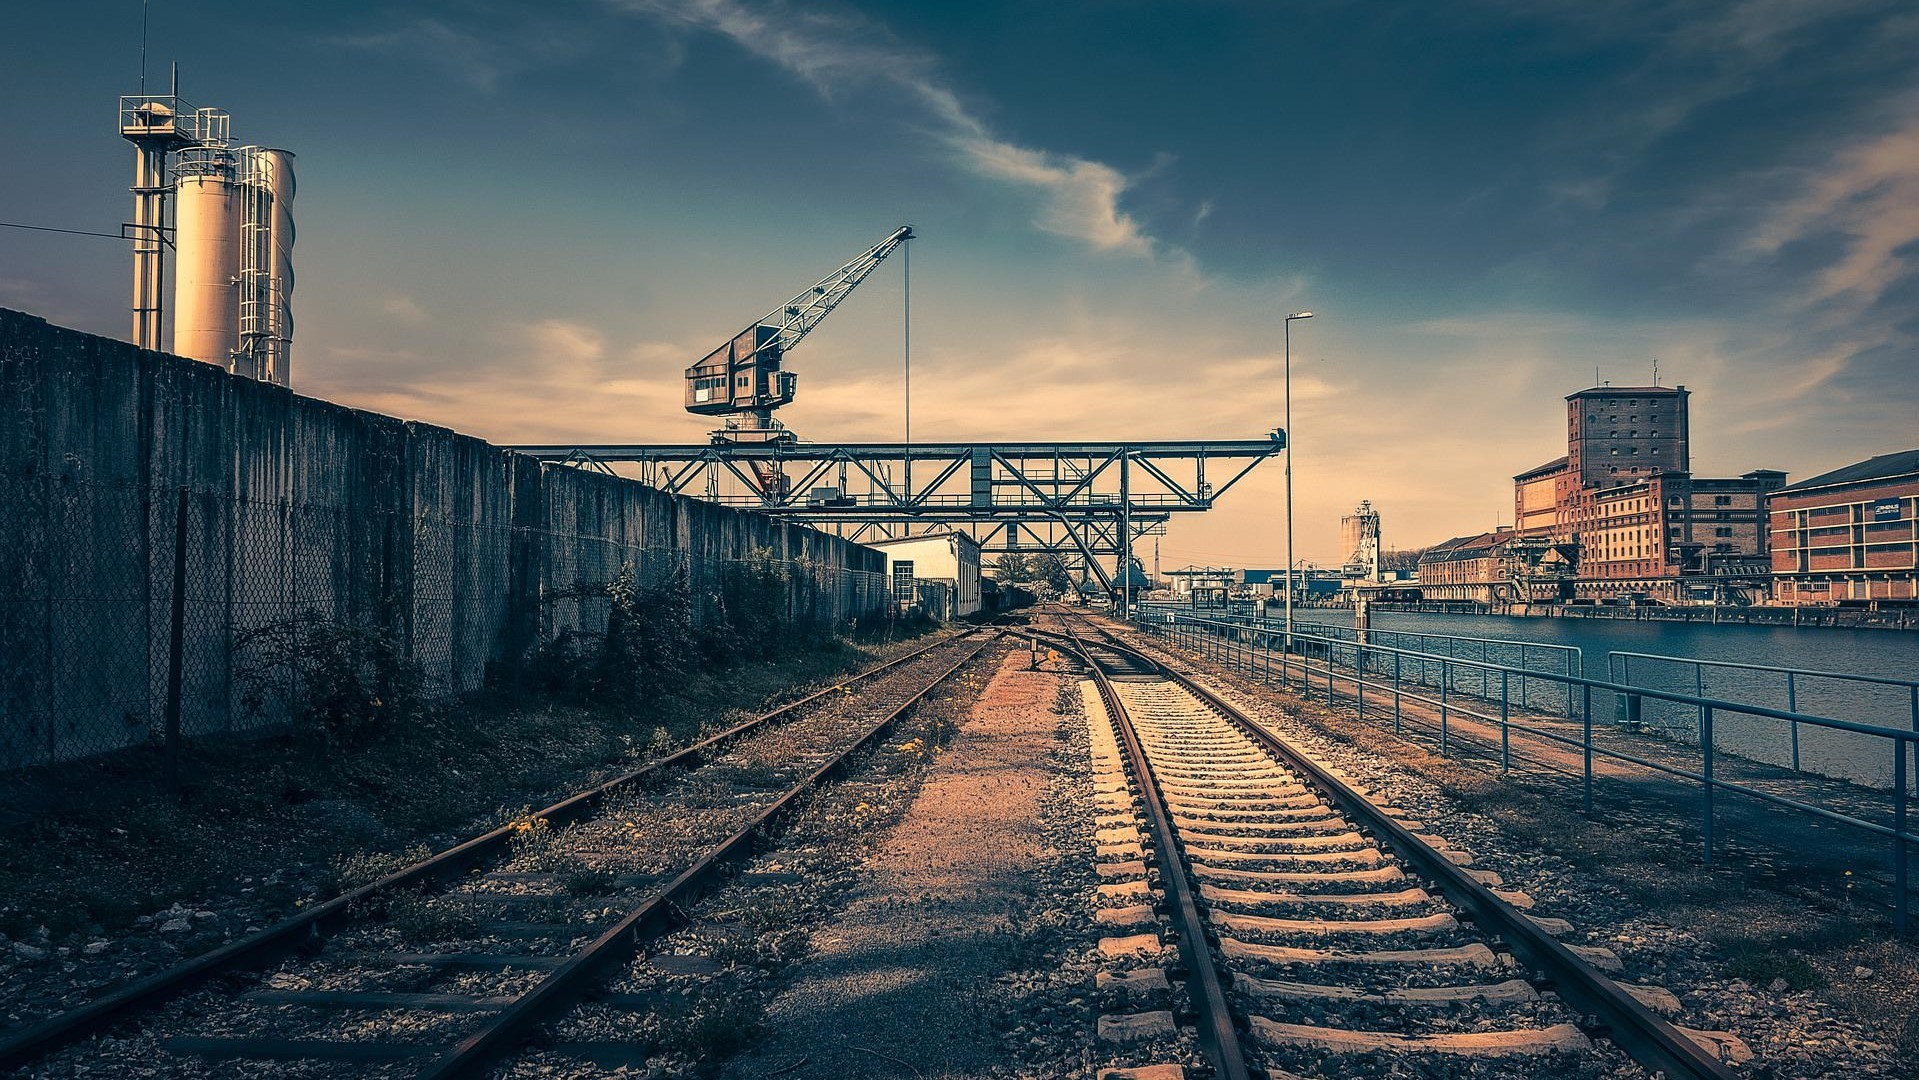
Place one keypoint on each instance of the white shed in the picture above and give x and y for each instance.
(951, 558)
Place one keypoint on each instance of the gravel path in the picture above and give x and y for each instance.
(898, 983)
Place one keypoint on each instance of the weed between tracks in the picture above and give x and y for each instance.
(743, 938)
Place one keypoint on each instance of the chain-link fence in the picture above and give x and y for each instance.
(131, 615)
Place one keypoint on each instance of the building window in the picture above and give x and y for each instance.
(1722, 531)
(1722, 500)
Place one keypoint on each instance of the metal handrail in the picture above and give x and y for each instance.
(1886, 680)
(1606, 685)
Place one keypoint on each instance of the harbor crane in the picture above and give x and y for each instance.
(742, 380)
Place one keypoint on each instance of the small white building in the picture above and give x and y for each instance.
(951, 558)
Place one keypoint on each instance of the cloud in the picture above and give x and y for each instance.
(1697, 57)
(1869, 197)
(484, 54)
(406, 309)
(838, 53)
(472, 59)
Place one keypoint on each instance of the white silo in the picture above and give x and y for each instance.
(277, 168)
(206, 282)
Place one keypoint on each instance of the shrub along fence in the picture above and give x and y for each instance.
(185, 552)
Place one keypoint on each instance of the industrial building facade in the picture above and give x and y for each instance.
(949, 558)
(1624, 512)
(1850, 535)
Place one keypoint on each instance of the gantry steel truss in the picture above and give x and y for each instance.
(1083, 501)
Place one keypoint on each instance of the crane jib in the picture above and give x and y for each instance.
(742, 380)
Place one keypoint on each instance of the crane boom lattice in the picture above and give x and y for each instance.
(742, 380)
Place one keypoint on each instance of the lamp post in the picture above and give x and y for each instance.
(1291, 570)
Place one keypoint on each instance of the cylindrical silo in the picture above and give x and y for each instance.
(206, 276)
(275, 167)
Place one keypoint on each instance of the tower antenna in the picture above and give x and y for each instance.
(1655, 371)
(143, 47)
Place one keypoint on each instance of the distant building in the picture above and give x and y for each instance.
(1674, 537)
(1850, 535)
(1622, 516)
(1207, 581)
(948, 558)
(1465, 569)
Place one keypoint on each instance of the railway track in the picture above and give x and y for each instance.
(1319, 931)
(444, 967)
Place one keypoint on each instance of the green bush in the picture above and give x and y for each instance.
(343, 683)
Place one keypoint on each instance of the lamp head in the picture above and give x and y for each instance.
(1299, 315)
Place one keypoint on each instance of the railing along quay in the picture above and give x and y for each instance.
(1261, 652)
(1619, 669)
(1526, 657)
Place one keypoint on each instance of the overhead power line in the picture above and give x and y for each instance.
(70, 232)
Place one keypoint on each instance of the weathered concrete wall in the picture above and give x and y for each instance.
(291, 507)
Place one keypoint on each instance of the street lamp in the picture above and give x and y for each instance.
(1290, 567)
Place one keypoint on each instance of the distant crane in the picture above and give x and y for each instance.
(742, 379)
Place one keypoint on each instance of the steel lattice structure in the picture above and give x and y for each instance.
(1082, 501)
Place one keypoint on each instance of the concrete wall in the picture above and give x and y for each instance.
(469, 554)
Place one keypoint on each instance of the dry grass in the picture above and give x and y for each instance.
(104, 840)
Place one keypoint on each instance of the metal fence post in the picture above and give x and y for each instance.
(1900, 873)
(176, 646)
(1524, 655)
(1505, 717)
(1699, 686)
(1359, 679)
(1444, 683)
(1569, 686)
(1792, 706)
(1587, 781)
(1705, 742)
(1396, 658)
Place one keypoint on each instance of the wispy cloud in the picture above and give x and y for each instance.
(405, 309)
(1869, 197)
(839, 53)
(465, 55)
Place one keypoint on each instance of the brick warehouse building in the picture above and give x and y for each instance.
(1850, 535)
(1624, 506)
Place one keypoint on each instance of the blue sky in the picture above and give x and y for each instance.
(523, 220)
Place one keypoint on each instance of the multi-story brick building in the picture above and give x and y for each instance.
(1850, 535)
(1624, 506)
(1666, 534)
(1465, 568)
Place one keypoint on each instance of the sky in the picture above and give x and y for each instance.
(522, 221)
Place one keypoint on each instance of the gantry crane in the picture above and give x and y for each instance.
(742, 379)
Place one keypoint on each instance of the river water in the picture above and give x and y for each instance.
(1861, 758)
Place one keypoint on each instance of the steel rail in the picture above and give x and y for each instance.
(1636, 1029)
(1218, 1038)
(45, 1036)
(658, 914)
